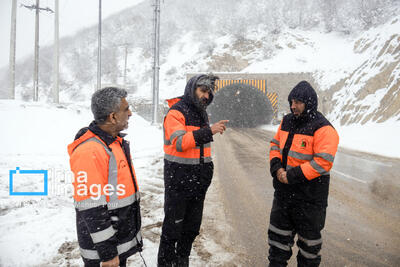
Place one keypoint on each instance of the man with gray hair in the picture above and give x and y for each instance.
(106, 192)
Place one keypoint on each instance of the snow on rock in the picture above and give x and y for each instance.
(371, 92)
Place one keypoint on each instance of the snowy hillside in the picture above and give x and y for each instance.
(354, 61)
(372, 91)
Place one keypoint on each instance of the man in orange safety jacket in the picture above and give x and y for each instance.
(188, 168)
(301, 156)
(106, 192)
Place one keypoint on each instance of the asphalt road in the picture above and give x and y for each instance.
(363, 217)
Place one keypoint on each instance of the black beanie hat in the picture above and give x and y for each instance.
(304, 92)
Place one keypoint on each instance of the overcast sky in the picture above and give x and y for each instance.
(74, 15)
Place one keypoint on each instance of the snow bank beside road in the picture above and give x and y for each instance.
(376, 138)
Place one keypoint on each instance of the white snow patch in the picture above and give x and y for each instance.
(372, 137)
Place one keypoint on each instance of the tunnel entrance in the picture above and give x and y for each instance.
(243, 105)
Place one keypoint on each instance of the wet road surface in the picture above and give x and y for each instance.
(363, 217)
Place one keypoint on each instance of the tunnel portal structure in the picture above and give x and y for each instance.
(252, 99)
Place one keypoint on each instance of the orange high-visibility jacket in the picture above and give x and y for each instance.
(104, 166)
(305, 146)
(312, 152)
(188, 167)
(106, 196)
(179, 137)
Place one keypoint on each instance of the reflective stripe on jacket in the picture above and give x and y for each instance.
(106, 197)
(188, 167)
(179, 142)
(107, 171)
(313, 152)
(306, 149)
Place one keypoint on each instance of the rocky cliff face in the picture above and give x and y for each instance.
(372, 91)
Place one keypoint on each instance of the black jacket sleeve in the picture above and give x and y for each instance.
(203, 136)
(97, 219)
(275, 164)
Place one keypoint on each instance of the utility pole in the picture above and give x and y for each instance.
(56, 91)
(99, 50)
(12, 48)
(126, 61)
(156, 63)
(36, 64)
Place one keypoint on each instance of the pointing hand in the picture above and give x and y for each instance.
(219, 127)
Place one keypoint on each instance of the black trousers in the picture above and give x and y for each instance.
(180, 227)
(289, 218)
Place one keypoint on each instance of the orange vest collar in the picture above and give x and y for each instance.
(173, 101)
(77, 142)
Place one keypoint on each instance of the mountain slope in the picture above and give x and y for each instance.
(372, 91)
(351, 47)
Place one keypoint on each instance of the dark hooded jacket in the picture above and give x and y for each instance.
(188, 168)
(305, 147)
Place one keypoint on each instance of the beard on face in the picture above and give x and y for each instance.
(203, 102)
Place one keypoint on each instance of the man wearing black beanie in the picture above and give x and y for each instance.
(301, 155)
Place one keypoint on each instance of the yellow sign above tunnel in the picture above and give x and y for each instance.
(259, 84)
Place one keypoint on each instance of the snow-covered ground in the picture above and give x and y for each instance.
(34, 136)
(40, 230)
(376, 138)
